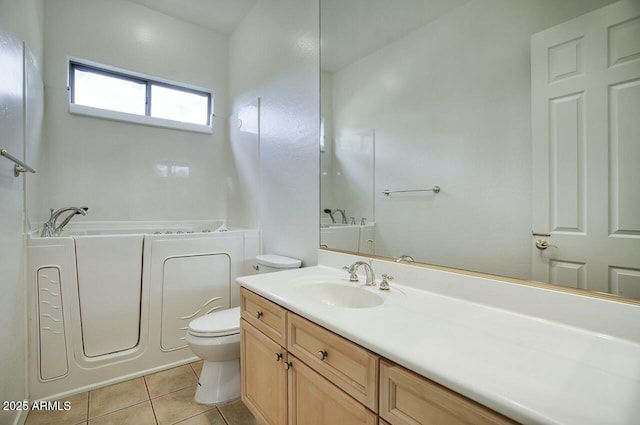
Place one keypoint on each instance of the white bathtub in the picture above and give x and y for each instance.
(109, 301)
(349, 237)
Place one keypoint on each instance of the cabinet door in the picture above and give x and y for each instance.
(264, 378)
(315, 401)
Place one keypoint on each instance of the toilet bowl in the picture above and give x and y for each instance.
(215, 338)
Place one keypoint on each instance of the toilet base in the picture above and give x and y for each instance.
(219, 382)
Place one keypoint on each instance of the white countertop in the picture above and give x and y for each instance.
(533, 370)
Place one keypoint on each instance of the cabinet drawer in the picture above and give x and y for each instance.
(349, 366)
(267, 317)
(408, 398)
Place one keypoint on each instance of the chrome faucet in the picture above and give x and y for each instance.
(344, 215)
(404, 257)
(353, 272)
(50, 228)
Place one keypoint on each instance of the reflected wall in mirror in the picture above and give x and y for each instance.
(524, 113)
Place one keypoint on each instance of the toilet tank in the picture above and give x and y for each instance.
(275, 263)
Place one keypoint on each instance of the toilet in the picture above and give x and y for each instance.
(215, 338)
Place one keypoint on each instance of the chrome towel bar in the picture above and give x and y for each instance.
(20, 166)
(434, 189)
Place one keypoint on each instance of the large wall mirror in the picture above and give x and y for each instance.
(525, 114)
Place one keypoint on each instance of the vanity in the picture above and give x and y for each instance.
(437, 348)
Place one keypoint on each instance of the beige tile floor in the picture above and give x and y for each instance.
(163, 398)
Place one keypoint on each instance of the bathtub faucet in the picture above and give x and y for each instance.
(344, 215)
(50, 228)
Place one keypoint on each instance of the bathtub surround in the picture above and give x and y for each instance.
(20, 22)
(175, 175)
(126, 171)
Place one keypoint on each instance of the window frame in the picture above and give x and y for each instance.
(149, 81)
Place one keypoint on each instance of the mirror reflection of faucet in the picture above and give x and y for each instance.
(404, 257)
(332, 212)
(50, 228)
(328, 211)
(342, 212)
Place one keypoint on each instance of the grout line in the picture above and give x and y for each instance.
(87, 408)
(146, 385)
(118, 410)
(221, 415)
(193, 370)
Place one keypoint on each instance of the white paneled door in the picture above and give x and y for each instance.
(586, 151)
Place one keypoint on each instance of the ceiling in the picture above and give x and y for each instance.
(219, 15)
(344, 38)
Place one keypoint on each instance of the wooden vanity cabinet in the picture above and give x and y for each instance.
(280, 389)
(295, 372)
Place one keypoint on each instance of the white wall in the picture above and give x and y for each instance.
(109, 166)
(274, 57)
(20, 21)
(326, 157)
(450, 104)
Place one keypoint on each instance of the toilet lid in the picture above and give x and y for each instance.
(218, 323)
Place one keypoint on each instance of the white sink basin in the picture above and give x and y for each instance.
(338, 295)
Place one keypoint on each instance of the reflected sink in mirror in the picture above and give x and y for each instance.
(344, 296)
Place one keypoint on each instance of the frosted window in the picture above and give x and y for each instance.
(109, 92)
(179, 105)
(127, 92)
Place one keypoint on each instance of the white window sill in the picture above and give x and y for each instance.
(138, 119)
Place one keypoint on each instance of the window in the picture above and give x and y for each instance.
(114, 94)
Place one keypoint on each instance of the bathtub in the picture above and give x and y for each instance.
(348, 237)
(109, 301)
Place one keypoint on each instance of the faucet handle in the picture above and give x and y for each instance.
(384, 285)
(353, 276)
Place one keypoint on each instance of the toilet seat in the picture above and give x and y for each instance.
(216, 324)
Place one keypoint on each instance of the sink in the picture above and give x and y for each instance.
(339, 295)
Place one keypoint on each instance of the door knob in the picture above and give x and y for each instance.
(542, 244)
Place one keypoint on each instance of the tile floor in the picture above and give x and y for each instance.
(163, 398)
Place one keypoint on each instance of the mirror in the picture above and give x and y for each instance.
(423, 93)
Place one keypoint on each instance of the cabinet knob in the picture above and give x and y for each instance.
(322, 354)
(258, 314)
(278, 357)
(287, 365)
